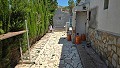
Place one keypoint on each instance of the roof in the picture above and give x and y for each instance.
(82, 6)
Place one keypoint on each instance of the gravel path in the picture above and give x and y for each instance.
(54, 51)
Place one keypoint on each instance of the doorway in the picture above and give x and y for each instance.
(81, 19)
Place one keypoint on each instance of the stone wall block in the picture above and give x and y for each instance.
(118, 51)
(118, 66)
(114, 40)
(105, 50)
(98, 48)
(112, 52)
(99, 37)
(96, 42)
(110, 40)
(101, 49)
(102, 45)
(119, 60)
(110, 59)
(105, 45)
(114, 63)
(107, 62)
(115, 57)
(114, 48)
(108, 53)
(109, 47)
(96, 35)
(104, 38)
(107, 39)
(102, 53)
(110, 65)
(118, 41)
(105, 55)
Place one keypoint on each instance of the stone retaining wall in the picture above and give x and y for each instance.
(107, 45)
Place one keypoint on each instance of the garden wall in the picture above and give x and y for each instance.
(107, 45)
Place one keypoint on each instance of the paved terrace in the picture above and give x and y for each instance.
(54, 51)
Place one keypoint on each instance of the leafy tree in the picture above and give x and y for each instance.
(77, 2)
(13, 16)
(71, 5)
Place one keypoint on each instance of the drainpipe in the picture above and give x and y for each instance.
(73, 26)
(87, 24)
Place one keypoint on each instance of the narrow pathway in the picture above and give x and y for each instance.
(54, 51)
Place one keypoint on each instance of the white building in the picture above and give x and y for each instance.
(104, 16)
(102, 19)
(60, 18)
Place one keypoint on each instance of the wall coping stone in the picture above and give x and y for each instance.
(111, 33)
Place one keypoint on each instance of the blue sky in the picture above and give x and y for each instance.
(63, 2)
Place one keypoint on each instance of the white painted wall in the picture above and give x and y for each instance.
(81, 18)
(76, 18)
(108, 19)
(64, 18)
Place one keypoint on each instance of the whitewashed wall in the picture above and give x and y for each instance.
(108, 19)
(64, 18)
(81, 18)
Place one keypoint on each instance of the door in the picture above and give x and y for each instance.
(81, 19)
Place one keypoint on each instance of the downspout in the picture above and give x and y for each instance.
(73, 25)
(87, 24)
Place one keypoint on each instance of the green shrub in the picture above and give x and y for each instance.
(13, 13)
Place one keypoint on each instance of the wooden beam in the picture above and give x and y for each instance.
(11, 34)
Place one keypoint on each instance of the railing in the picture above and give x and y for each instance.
(11, 34)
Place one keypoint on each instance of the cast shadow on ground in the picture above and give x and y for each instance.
(68, 55)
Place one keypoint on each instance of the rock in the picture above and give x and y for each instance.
(119, 60)
(111, 54)
(68, 60)
(118, 41)
(114, 48)
(75, 64)
(109, 47)
(114, 63)
(61, 65)
(105, 50)
(115, 57)
(118, 66)
(110, 59)
(79, 66)
(67, 66)
(115, 40)
(104, 41)
(118, 51)
(62, 62)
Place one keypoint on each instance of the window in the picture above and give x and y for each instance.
(89, 15)
(106, 4)
(60, 18)
(84, 7)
